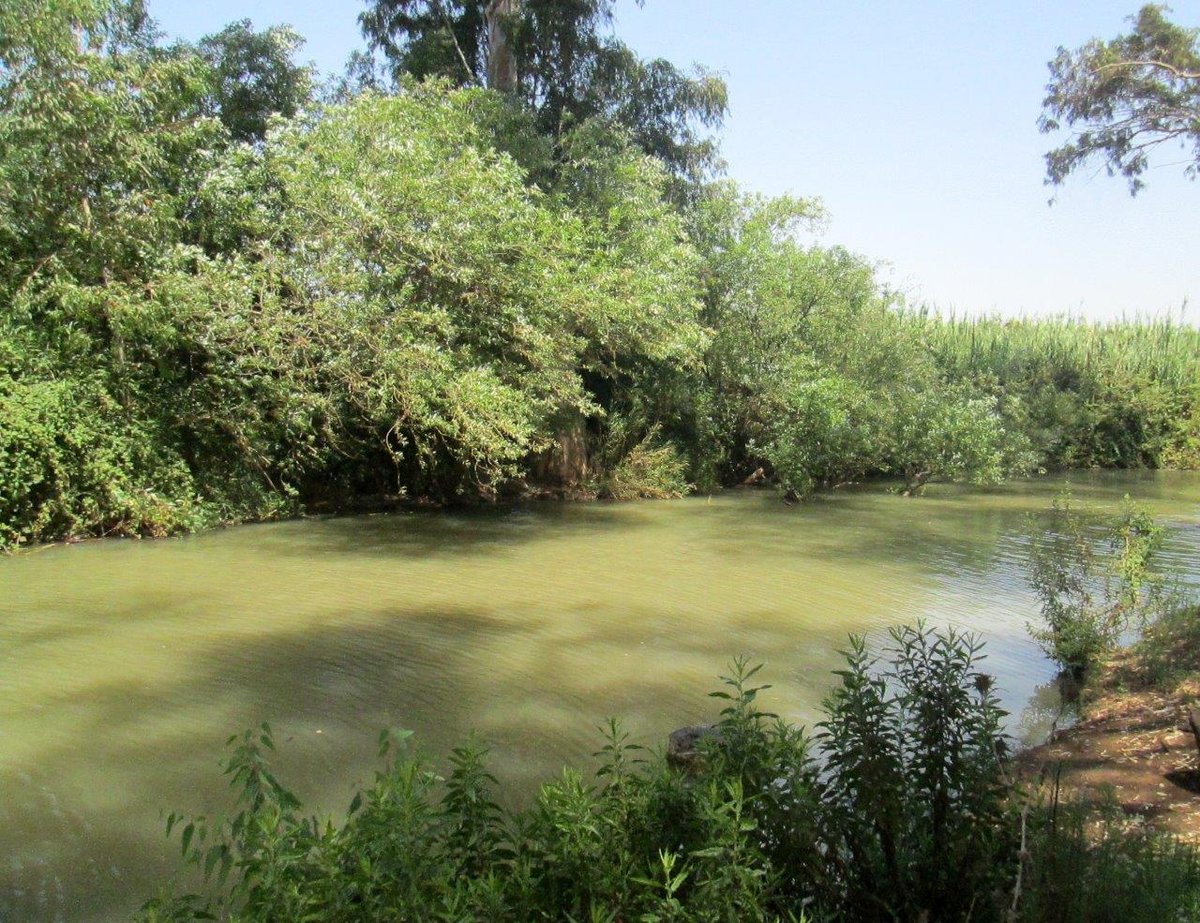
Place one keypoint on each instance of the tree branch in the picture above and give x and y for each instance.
(454, 38)
(1160, 65)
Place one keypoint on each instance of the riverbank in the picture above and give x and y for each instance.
(1134, 748)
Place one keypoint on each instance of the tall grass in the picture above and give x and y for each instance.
(1085, 393)
(1161, 349)
(1085, 868)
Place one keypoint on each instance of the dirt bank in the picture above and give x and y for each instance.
(1135, 746)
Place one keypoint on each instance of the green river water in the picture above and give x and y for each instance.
(124, 665)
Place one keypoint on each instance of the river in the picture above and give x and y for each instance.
(125, 665)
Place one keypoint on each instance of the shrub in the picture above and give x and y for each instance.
(649, 469)
(1091, 394)
(1090, 590)
(913, 792)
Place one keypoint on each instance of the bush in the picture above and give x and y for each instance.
(65, 453)
(1090, 590)
(914, 795)
(649, 469)
(1090, 394)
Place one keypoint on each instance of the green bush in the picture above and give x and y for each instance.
(1093, 585)
(66, 453)
(646, 469)
(1169, 648)
(900, 809)
(914, 793)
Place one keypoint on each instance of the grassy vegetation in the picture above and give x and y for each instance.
(1116, 836)
(1108, 847)
(1095, 866)
(1124, 394)
(1166, 655)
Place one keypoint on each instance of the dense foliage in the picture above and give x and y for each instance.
(221, 300)
(900, 808)
(1086, 395)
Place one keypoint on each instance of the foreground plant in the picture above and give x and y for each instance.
(914, 792)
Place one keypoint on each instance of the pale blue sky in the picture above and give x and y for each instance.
(915, 122)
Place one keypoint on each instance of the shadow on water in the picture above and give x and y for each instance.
(327, 693)
(22, 638)
(478, 531)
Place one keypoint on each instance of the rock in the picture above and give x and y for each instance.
(684, 747)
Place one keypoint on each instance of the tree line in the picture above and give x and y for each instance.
(230, 292)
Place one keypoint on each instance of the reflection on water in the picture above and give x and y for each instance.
(125, 665)
(1051, 707)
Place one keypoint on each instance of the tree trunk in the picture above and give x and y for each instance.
(566, 464)
(501, 63)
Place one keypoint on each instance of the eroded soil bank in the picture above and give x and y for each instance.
(1135, 747)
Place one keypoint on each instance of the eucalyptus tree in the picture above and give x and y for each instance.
(1125, 98)
(560, 60)
(254, 76)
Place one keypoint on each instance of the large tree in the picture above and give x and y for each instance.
(560, 58)
(254, 77)
(1126, 97)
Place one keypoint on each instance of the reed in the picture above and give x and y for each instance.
(1086, 393)
(1162, 349)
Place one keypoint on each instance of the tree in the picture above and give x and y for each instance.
(99, 135)
(501, 61)
(103, 306)
(254, 77)
(946, 432)
(558, 59)
(430, 318)
(429, 38)
(1126, 97)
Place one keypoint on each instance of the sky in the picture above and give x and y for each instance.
(914, 122)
